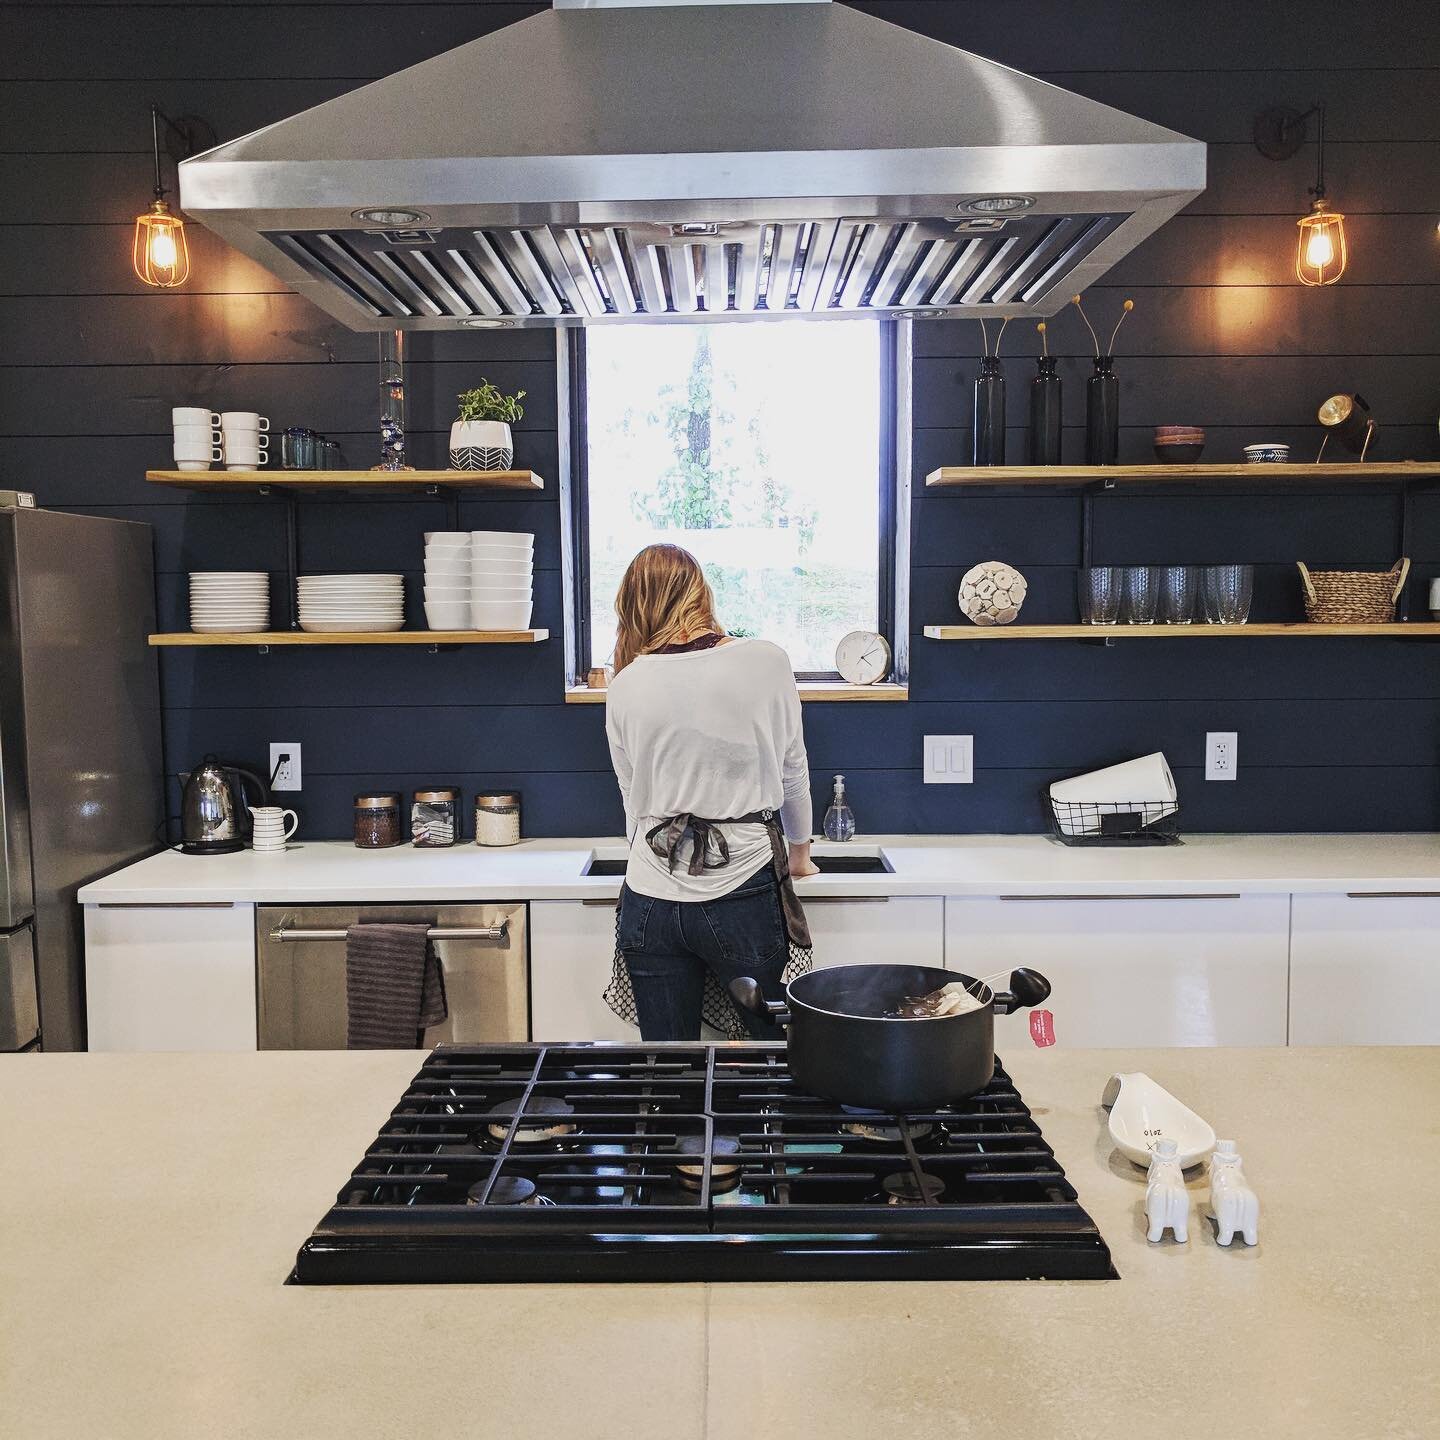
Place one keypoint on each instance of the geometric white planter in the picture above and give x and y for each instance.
(481, 445)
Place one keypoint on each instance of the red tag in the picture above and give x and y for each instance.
(1042, 1028)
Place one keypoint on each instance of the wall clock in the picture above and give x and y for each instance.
(863, 657)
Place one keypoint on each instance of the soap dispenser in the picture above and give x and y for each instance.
(839, 818)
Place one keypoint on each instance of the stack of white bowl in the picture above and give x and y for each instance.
(502, 566)
(447, 579)
(351, 602)
(229, 601)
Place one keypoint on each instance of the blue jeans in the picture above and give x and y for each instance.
(668, 946)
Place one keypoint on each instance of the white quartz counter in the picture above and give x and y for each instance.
(153, 1205)
(321, 871)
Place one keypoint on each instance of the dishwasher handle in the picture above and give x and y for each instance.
(282, 933)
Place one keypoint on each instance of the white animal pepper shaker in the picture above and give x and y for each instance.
(1233, 1203)
(1167, 1202)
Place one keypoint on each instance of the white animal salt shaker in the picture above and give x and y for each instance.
(1167, 1202)
(1233, 1203)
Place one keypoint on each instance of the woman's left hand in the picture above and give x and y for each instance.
(801, 865)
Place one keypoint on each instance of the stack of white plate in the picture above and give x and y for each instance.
(447, 579)
(226, 601)
(351, 602)
(502, 565)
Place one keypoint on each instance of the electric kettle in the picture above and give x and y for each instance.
(214, 817)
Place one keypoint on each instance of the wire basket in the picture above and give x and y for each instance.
(1113, 822)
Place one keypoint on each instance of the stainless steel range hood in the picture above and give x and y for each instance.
(620, 162)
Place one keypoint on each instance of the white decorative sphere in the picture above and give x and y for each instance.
(991, 593)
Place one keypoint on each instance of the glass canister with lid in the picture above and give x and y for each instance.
(377, 819)
(435, 817)
(497, 818)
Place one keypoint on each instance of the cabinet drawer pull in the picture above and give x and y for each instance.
(612, 902)
(282, 933)
(165, 905)
(844, 899)
(1040, 899)
(1392, 894)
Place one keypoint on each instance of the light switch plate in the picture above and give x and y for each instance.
(287, 775)
(949, 759)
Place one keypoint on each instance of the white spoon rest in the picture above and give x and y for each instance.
(1142, 1113)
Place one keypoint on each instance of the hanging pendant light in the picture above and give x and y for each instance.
(1321, 252)
(160, 254)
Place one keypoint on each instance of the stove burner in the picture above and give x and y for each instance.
(544, 1120)
(507, 1190)
(876, 1133)
(724, 1175)
(905, 1189)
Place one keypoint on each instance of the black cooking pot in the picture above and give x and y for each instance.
(844, 1046)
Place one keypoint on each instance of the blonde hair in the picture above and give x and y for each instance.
(664, 599)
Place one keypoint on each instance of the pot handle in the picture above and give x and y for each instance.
(745, 991)
(1027, 987)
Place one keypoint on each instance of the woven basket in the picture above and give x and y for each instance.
(1352, 597)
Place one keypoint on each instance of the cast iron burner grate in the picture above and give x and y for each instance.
(691, 1162)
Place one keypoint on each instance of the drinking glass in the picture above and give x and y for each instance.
(297, 449)
(1142, 594)
(1100, 595)
(1228, 590)
(1177, 594)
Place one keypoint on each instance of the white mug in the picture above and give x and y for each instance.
(1435, 595)
(244, 420)
(194, 415)
(197, 457)
(251, 461)
(196, 435)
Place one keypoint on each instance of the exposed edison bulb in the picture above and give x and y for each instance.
(160, 255)
(1321, 255)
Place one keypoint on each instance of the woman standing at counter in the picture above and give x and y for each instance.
(705, 736)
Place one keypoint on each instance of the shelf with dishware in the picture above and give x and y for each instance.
(1240, 473)
(372, 481)
(1392, 630)
(264, 639)
(810, 692)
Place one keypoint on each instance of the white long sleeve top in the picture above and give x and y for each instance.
(714, 733)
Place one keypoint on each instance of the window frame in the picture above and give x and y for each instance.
(893, 500)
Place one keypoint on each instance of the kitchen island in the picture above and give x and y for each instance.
(155, 1202)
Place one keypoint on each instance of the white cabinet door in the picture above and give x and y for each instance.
(1135, 972)
(1365, 970)
(572, 947)
(572, 944)
(898, 930)
(170, 977)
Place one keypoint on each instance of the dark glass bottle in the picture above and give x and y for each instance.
(1102, 413)
(989, 421)
(1045, 412)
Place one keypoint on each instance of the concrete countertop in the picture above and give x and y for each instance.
(154, 1204)
(335, 871)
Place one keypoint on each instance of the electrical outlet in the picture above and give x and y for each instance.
(287, 770)
(949, 759)
(1222, 754)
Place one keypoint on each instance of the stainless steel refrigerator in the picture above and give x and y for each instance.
(80, 784)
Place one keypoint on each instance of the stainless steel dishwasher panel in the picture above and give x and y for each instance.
(300, 982)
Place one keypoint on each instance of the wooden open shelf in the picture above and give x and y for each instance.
(1397, 630)
(357, 637)
(373, 480)
(810, 690)
(1372, 472)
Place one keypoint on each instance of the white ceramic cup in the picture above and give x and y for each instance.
(192, 456)
(196, 435)
(1435, 595)
(243, 420)
(194, 415)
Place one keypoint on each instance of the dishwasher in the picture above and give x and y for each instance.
(300, 971)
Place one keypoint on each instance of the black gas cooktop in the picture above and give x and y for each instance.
(691, 1162)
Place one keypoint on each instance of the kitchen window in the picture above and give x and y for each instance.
(767, 450)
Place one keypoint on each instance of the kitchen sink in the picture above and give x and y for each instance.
(859, 862)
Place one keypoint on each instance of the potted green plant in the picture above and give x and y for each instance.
(481, 438)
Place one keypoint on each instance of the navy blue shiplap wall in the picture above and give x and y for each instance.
(1342, 734)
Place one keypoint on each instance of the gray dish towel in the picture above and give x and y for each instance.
(394, 987)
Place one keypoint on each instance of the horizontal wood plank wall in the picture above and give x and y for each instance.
(1334, 735)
